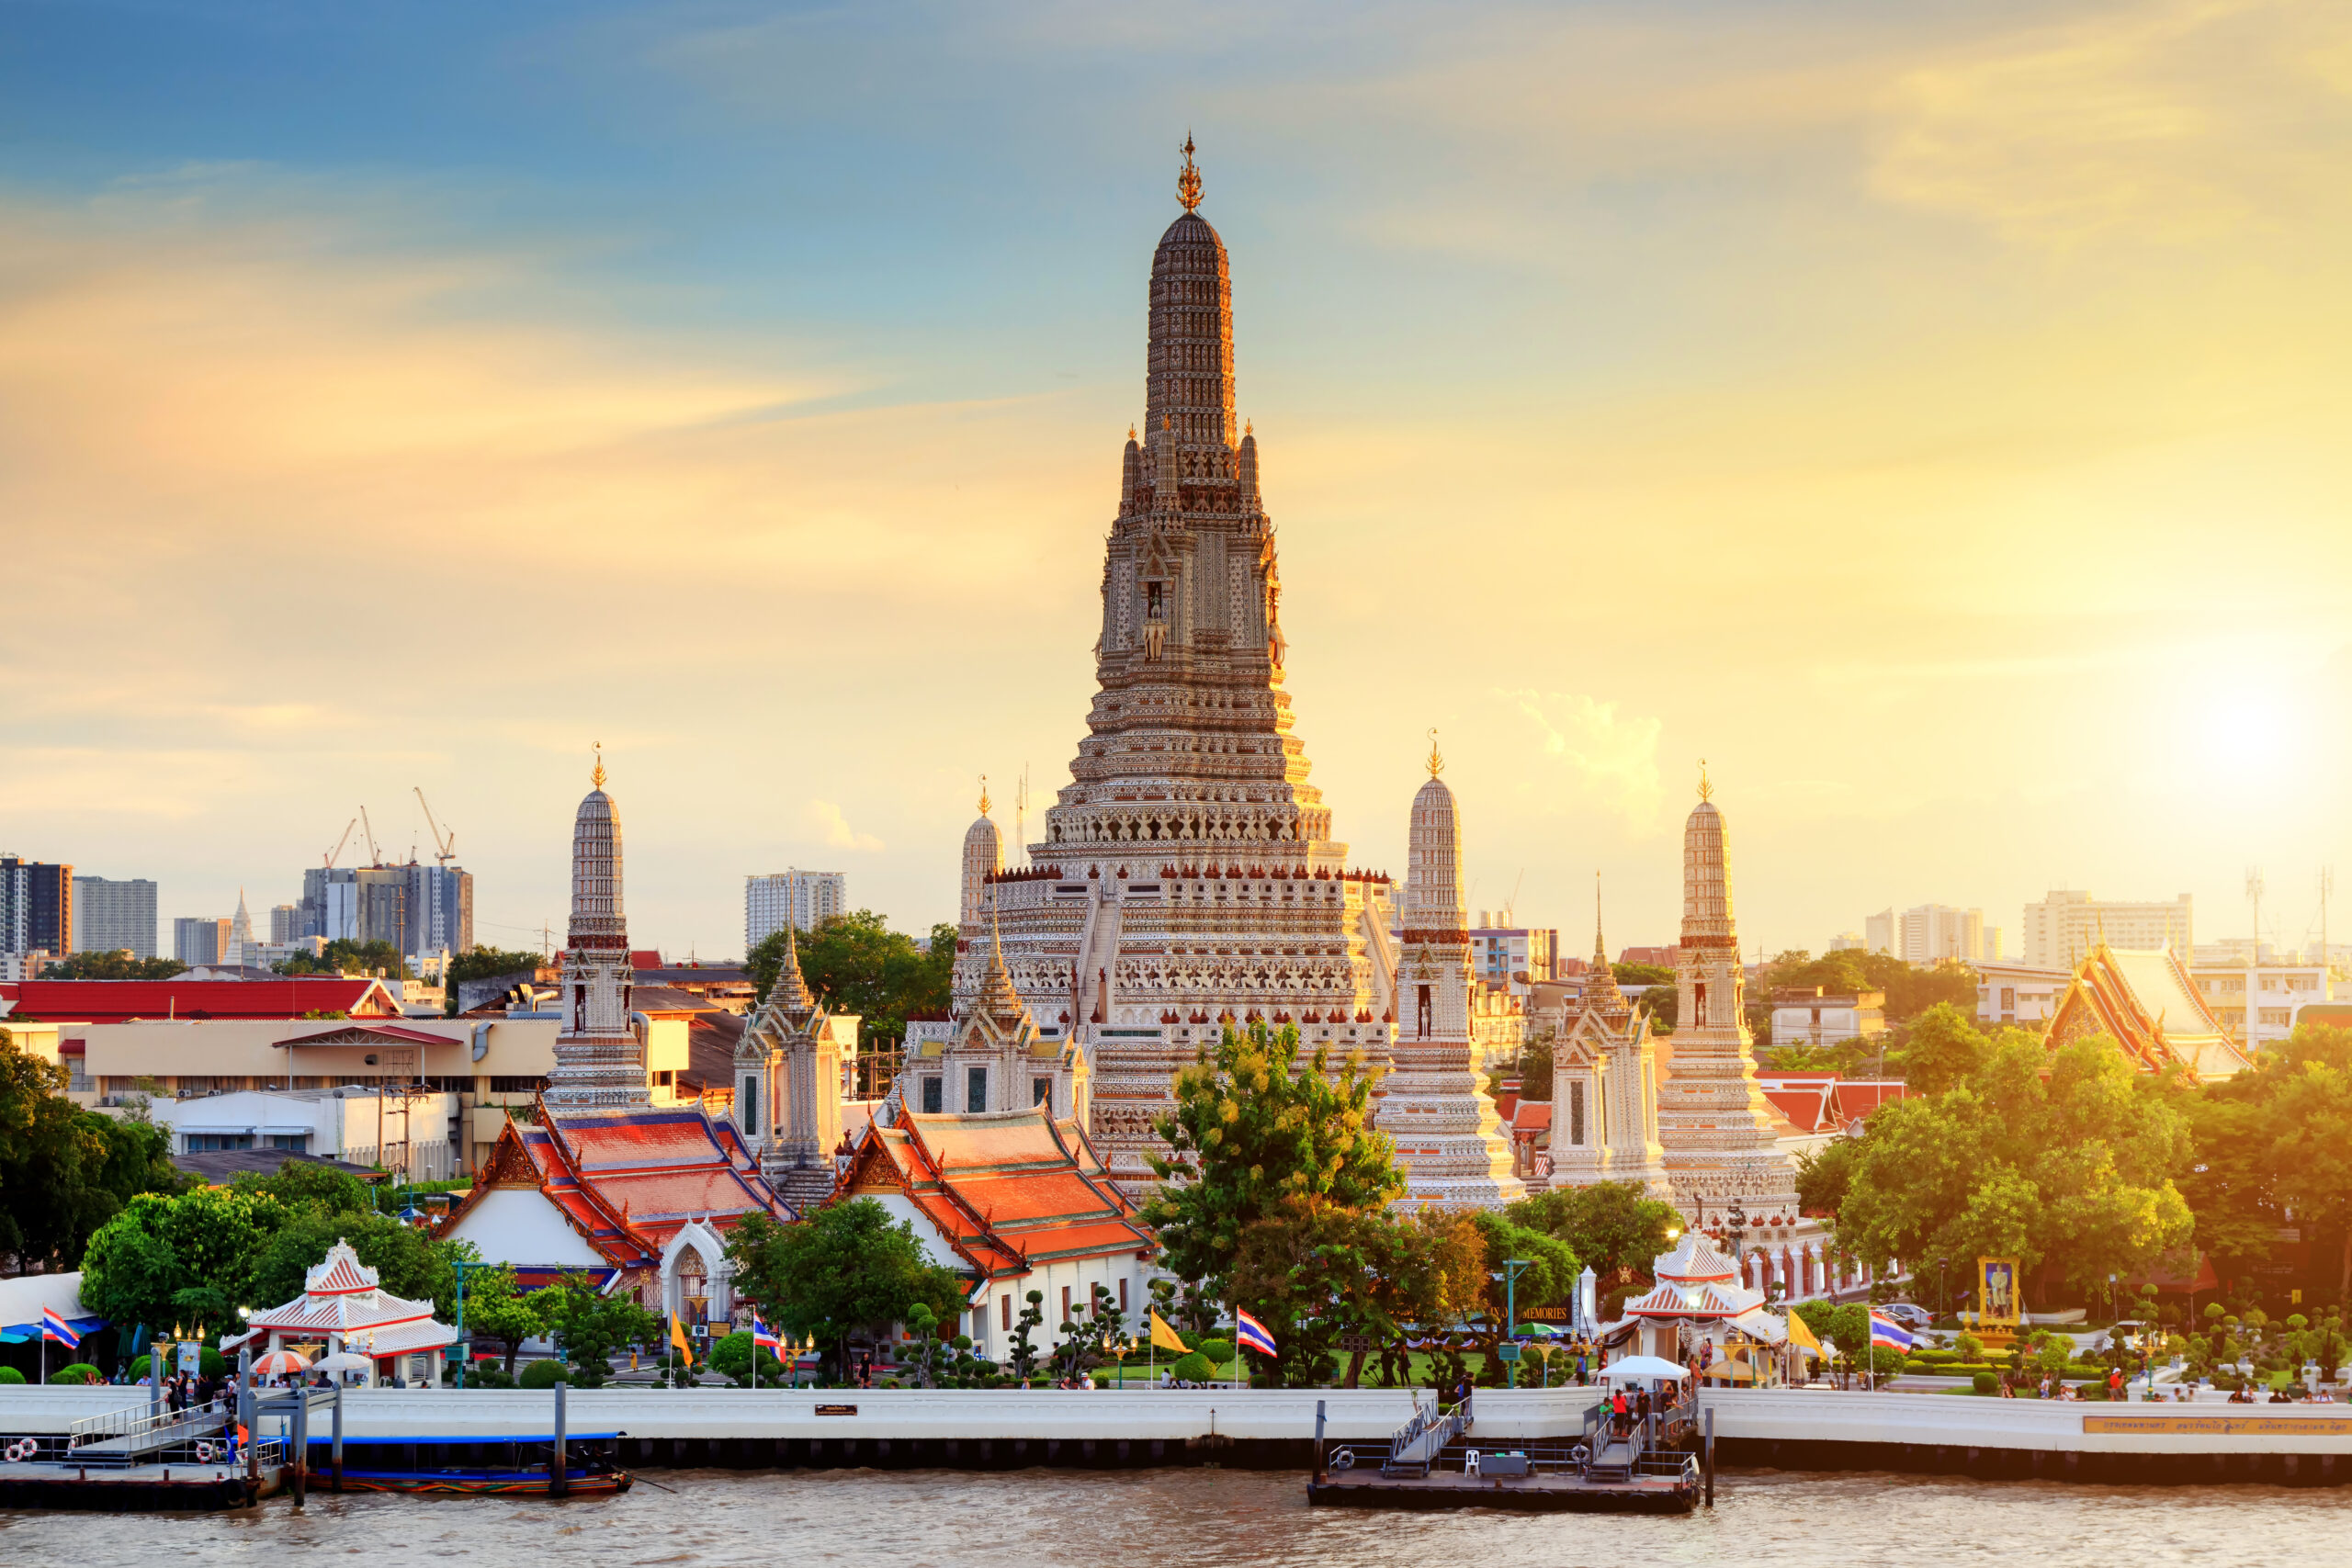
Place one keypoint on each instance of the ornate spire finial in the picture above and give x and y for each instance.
(1248, 427)
(1188, 184)
(597, 777)
(1706, 790)
(984, 795)
(1437, 762)
(1131, 432)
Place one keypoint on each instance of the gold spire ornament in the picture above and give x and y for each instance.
(984, 795)
(1437, 762)
(1188, 184)
(1706, 790)
(596, 779)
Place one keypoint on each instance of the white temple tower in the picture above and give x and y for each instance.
(1187, 877)
(1447, 1134)
(1604, 1087)
(790, 1066)
(599, 1060)
(983, 858)
(1712, 1118)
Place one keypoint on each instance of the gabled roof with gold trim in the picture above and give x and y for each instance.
(2145, 1001)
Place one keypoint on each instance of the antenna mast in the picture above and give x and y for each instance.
(2254, 896)
(1021, 815)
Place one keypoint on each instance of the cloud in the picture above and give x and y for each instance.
(826, 819)
(2172, 122)
(1613, 759)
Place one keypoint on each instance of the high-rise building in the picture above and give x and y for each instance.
(802, 899)
(1448, 1137)
(1882, 932)
(35, 905)
(1721, 1142)
(200, 943)
(2063, 926)
(599, 1060)
(1933, 933)
(111, 916)
(285, 924)
(1509, 958)
(419, 908)
(1187, 875)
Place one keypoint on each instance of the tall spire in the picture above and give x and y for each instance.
(599, 1060)
(1437, 762)
(1601, 992)
(984, 795)
(596, 778)
(790, 991)
(1188, 184)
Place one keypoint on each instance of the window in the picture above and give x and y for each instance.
(1576, 1113)
(516, 1085)
(1698, 1005)
(2008, 998)
(1424, 1013)
(976, 1088)
(747, 1103)
(934, 1093)
(1041, 1091)
(1123, 1295)
(1004, 1311)
(1064, 1303)
(299, 1142)
(208, 1143)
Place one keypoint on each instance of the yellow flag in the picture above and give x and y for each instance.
(1802, 1337)
(678, 1338)
(1163, 1336)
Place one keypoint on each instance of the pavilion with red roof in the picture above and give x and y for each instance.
(342, 1308)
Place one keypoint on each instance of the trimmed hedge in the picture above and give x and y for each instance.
(11, 1375)
(78, 1372)
(543, 1375)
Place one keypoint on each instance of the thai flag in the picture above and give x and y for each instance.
(765, 1339)
(1888, 1334)
(55, 1328)
(1252, 1332)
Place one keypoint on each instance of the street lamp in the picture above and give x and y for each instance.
(1510, 1310)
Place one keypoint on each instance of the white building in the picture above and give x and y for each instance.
(415, 1133)
(1931, 933)
(2068, 923)
(2017, 994)
(2256, 1002)
(1817, 1016)
(1507, 957)
(802, 899)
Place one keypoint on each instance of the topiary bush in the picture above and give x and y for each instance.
(213, 1364)
(1193, 1367)
(78, 1372)
(1986, 1383)
(10, 1375)
(543, 1375)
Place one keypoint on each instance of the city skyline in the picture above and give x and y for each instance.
(1931, 420)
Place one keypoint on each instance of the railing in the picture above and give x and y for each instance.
(135, 1426)
(1422, 1440)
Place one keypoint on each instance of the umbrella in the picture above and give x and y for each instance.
(1643, 1367)
(344, 1361)
(1544, 1329)
(280, 1363)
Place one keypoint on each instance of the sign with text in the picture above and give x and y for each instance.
(836, 1410)
(2224, 1425)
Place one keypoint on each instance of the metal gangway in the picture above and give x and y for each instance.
(136, 1434)
(1417, 1442)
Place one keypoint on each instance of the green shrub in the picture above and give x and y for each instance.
(1217, 1350)
(543, 1375)
(10, 1375)
(78, 1372)
(214, 1364)
(1192, 1368)
(1986, 1383)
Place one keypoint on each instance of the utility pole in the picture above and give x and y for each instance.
(2253, 896)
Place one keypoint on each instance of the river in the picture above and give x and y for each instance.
(1042, 1518)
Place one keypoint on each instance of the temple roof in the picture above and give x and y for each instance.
(2145, 1001)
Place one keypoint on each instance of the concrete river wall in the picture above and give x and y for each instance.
(1270, 1429)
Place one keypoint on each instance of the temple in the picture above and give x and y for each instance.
(343, 1310)
(1187, 877)
(1603, 1116)
(1721, 1139)
(641, 1197)
(1448, 1137)
(2145, 1001)
(791, 1064)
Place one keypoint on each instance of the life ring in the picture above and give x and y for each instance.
(204, 1451)
(1344, 1459)
(18, 1452)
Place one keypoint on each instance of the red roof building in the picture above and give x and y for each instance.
(1016, 1201)
(119, 1001)
(643, 1197)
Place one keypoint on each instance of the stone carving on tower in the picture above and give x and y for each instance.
(599, 1059)
(1721, 1144)
(1187, 877)
(788, 1070)
(1604, 1087)
(1447, 1134)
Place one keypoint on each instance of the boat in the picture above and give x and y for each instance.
(589, 1469)
(1433, 1463)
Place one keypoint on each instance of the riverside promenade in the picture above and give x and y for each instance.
(1274, 1429)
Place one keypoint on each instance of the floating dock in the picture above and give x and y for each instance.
(1435, 1460)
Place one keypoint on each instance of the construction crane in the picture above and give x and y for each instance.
(340, 842)
(375, 855)
(445, 845)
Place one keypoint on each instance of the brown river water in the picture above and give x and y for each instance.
(1044, 1518)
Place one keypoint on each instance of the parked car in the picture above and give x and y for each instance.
(1908, 1314)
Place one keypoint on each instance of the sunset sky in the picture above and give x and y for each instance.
(1935, 415)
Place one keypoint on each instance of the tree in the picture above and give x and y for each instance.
(1824, 1174)
(1551, 1277)
(590, 1325)
(488, 962)
(1534, 1069)
(845, 1268)
(181, 1262)
(1022, 1350)
(402, 1257)
(1943, 1050)
(2066, 1155)
(731, 1357)
(1643, 975)
(1660, 1003)
(1609, 1225)
(1091, 1337)
(66, 1172)
(1251, 1127)
(344, 956)
(856, 964)
(117, 965)
(497, 1308)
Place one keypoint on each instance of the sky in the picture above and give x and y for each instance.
(1935, 417)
